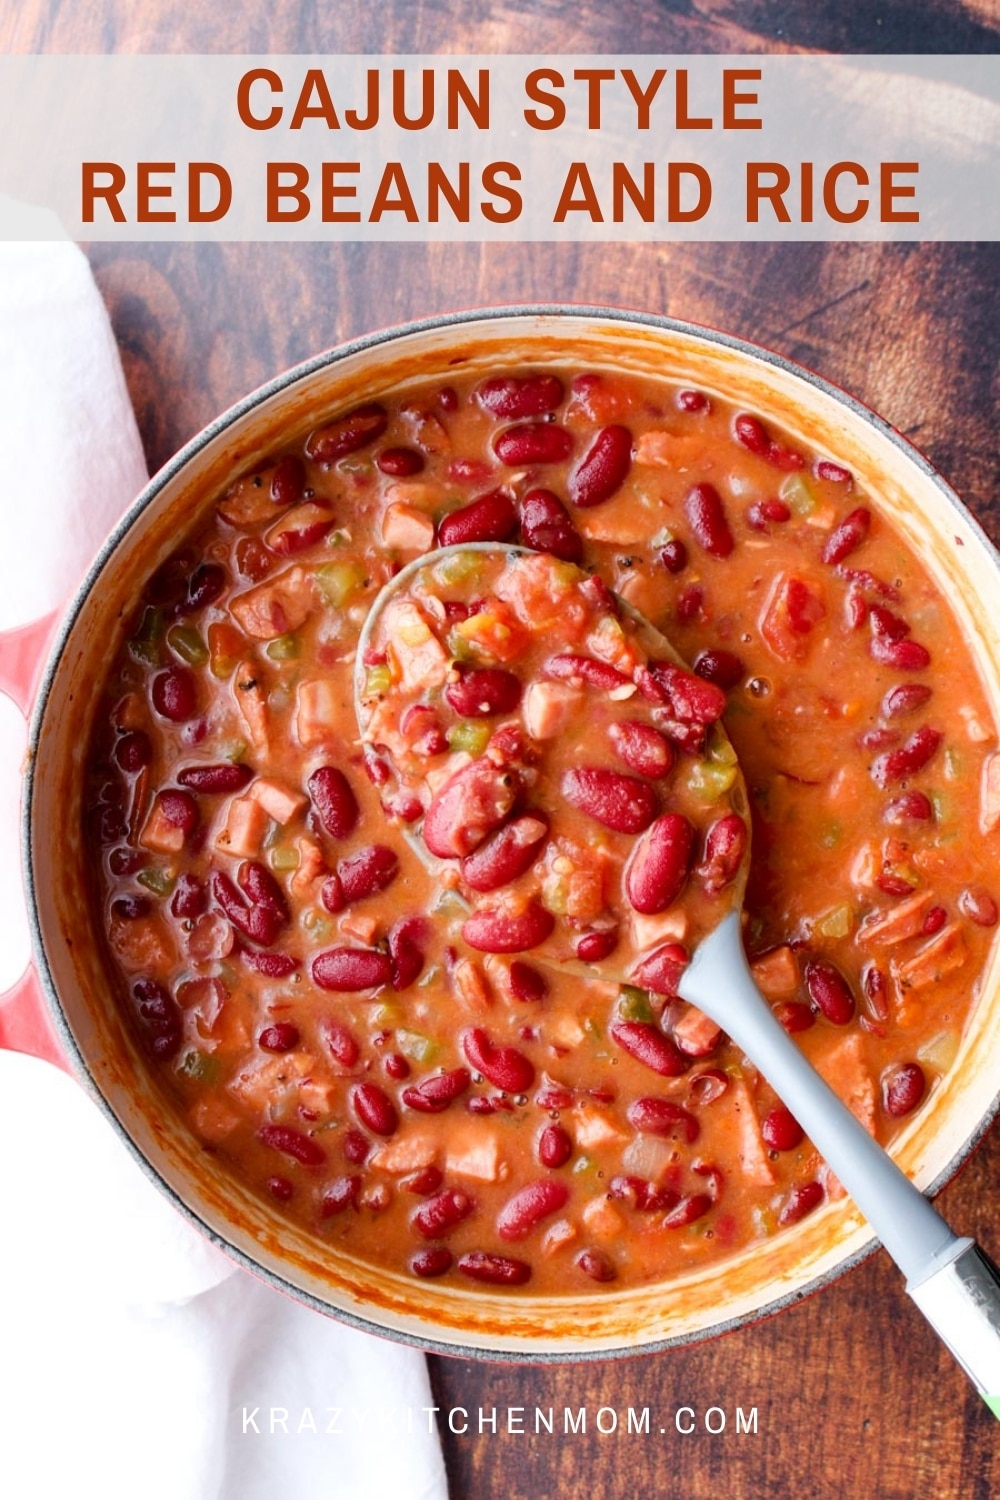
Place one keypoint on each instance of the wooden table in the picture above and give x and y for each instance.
(854, 1396)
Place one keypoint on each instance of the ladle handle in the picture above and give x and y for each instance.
(952, 1282)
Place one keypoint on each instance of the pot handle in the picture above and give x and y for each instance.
(25, 1021)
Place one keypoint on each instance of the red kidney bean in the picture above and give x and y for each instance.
(482, 692)
(280, 1188)
(294, 1143)
(707, 1086)
(131, 907)
(910, 757)
(643, 748)
(693, 401)
(648, 1045)
(253, 561)
(532, 443)
(423, 1182)
(271, 965)
(662, 1117)
(642, 1194)
(505, 1067)
(674, 555)
(886, 625)
(288, 480)
(432, 1095)
(617, 801)
(905, 698)
(845, 538)
(190, 899)
(568, 667)
(909, 807)
(690, 699)
(374, 1108)
(527, 984)
(434, 1261)
(546, 526)
(592, 947)
(658, 868)
(722, 667)
(439, 1215)
(494, 1270)
(879, 738)
(406, 957)
(400, 463)
(204, 586)
(179, 809)
(602, 469)
(725, 847)
(281, 1036)
(833, 472)
(347, 434)
(491, 518)
(752, 434)
(396, 1067)
(133, 751)
(978, 905)
(764, 513)
(300, 528)
(162, 1017)
(226, 777)
(350, 970)
(376, 766)
(794, 1016)
(781, 1130)
(469, 806)
(661, 970)
(707, 519)
(688, 1210)
(511, 397)
(554, 1098)
(801, 1201)
(259, 922)
(904, 655)
(341, 1194)
(554, 1147)
(494, 930)
(175, 694)
(356, 1146)
(829, 991)
(343, 1045)
(331, 894)
(526, 1209)
(334, 800)
(371, 870)
(934, 919)
(507, 854)
(488, 1104)
(903, 1087)
(261, 887)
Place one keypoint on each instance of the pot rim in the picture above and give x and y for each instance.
(147, 497)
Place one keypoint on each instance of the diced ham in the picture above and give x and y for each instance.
(593, 1128)
(276, 606)
(669, 926)
(894, 924)
(845, 1070)
(603, 1220)
(751, 1148)
(280, 802)
(619, 522)
(251, 700)
(420, 659)
(130, 712)
(549, 707)
(407, 529)
(469, 984)
(473, 1150)
(562, 1029)
(311, 866)
(945, 952)
(243, 831)
(415, 1145)
(561, 1233)
(247, 502)
(361, 925)
(320, 711)
(989, 796)
(160, 835)
(776, 974)
(212, 1119)
(695, 1033)
(140, 944)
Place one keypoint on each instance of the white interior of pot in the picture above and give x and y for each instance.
(435, 1315)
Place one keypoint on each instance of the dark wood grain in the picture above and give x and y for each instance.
(854, 1396)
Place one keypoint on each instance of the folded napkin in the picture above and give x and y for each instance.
(131, 1350)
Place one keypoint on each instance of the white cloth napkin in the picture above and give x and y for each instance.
(131, 1350)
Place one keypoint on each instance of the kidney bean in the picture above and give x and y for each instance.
(374, 1108)
(406, 956)
(674, 555)
(707, 1086)
(794, 1016)
(440, 1214)
(620, 802)
(511, 397)
(904, 655)
(495, 930)
(725, 847)
(690, 699)
(602, 470)
(259, 922)
(661, 970)
(356, 1146)
(905, 698)
(643, 748)
(343, 1045)
(903, 1087)
(190, 899)
(554, 1147)
(662, 1117)
(131, 907)
(546, 526)
(781, 1130)
(592, 947)
(162, 1017)
(505, 1067)
(707, 519)
(434, 1261)
(294, 1143)
(341, 1194)
(532, 443)
(376, 766)
(347, 434)
(695, 1206)
(722, 667)
(658, 868)
(491, 518)
(280, 1188)
(834, 473)
(175, 694)
(133, 751)
(934, 919)
(910, 757)
(179, 809)
(271, 965)
(752, 434)
(288, 480)
(334, 800)
(876, 991)
(396, 1067)
(371, 870)
(432, 1095)
(909, 807)
(494, 1270)
(764, 513)
(350, 970)
(554, 1098)
(648, 1045)
(280, 1036)
(472, 803)
(482, 692)
(229, 776)
(263, 890)
(488, 1104)
(423, 1182)
(527, 984)
(253, 561)
(526, 1209)
(801, 1201)
(978, 905)
(829, 991)
(205, 585)
(848, 536)
(642, 1194)
(693, 401)
(569, 667)
(400, 463)
(507, 854)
